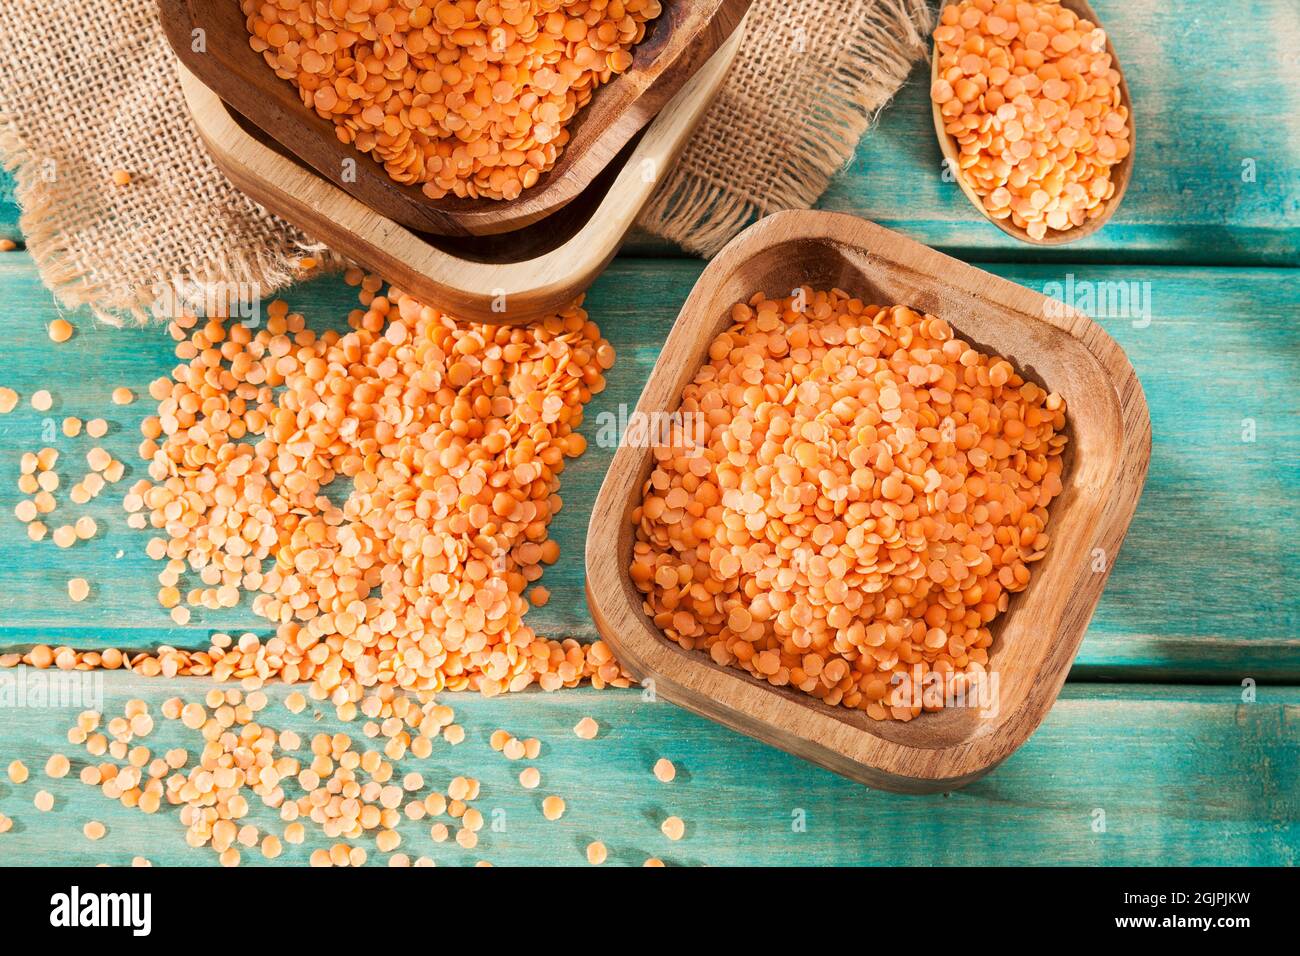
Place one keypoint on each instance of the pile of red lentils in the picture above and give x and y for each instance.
(1030, 95)
(464, 98)
(452, 436)
(855, 494)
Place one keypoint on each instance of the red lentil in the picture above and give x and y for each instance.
(60, 330)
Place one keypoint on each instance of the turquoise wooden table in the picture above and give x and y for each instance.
(1177, 738)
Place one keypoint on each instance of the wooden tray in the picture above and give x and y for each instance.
(504, 279)
(1120, 174)
(1035, 639)
(677, 44)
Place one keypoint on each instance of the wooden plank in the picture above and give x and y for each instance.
(8, 208)
(1201, 585)
(1116, 775)
(1200, 590)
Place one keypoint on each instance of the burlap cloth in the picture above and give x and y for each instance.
(87, 88)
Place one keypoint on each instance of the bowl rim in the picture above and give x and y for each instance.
(730, 695)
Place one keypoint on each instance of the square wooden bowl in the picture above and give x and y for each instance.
(1035, 640)
(677, 44)
(502, 279)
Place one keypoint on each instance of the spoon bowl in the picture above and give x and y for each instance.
(1119, 174)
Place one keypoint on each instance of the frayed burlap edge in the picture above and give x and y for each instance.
(754, 154)
(40, 222)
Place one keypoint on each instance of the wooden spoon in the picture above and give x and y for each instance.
(1119, 174)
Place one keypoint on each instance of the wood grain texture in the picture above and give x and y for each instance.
(1200, 591)
(1119, 174)
(1035, 640)
(676, 44)
(9, 207)
(503, 279)
(1116, 775)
